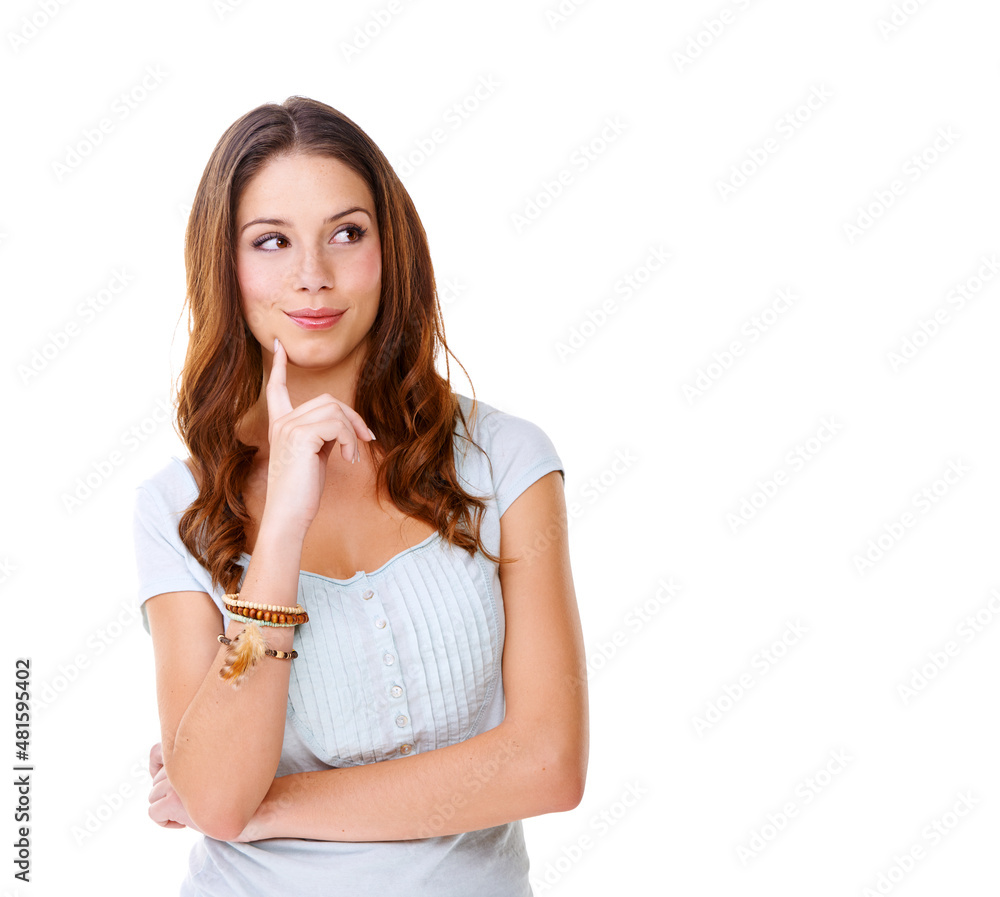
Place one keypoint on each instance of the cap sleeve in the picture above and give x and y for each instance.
(520, 453)
(161, 559)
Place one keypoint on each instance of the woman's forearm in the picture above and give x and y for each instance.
(222, 758)
(489, 779)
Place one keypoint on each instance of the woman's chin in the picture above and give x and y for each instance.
(315, 357)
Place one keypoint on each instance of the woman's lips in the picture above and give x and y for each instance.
(316, 318)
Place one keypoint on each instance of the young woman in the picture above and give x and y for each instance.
(424, 688)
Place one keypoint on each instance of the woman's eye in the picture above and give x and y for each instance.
(350, 234)
(262, 242)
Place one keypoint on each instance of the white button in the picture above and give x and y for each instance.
(367, 593)
(389, 659)
(396, 691)
(405, 748)
(380, 623)
(401, 720)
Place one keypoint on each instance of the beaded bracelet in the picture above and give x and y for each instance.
(267, 614)
(234, 598)
(243, 652)
(266, 618)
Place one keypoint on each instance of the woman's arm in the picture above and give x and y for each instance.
(221, 745)
(534, 762)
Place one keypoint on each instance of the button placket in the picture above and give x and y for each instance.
(397, 709)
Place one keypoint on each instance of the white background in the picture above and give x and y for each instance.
(658, 474)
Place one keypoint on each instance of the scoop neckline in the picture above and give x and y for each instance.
(360, 574)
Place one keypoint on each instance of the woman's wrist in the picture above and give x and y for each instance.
(281, 534)
(271, 580)
(272, 575)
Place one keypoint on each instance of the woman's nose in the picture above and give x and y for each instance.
(314, 272)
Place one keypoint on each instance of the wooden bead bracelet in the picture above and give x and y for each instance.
(265, 617)
(268, 614)
(234, 598)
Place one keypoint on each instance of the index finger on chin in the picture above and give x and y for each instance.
(276, 394)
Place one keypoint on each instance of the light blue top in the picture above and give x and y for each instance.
(393, 662)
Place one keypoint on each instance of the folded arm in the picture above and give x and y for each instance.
(534, 762)
(221, 745)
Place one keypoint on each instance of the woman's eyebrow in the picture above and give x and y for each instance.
(281, 222)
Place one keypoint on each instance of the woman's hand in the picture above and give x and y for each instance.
(165, 807)
(301, 442)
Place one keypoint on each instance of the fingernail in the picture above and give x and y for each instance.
(275, 344)
(370, 433)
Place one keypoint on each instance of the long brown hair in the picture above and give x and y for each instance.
(398, 386)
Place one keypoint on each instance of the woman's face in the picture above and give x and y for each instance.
(309, 260)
